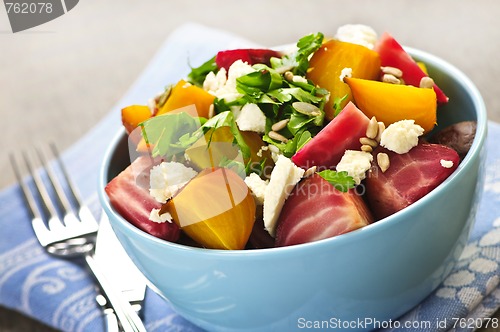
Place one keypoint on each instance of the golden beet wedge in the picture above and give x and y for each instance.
(133, 115)
(185, 94)
(327, 63)
(216, 209)
(390, 103)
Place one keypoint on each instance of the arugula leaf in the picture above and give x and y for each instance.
(198, 74)
(293, 145)
(254, 85)
(275, 78)
(255, 167)
(299, 121)
(236, 166)
(167, 132)
(226, 119)
(298, 61)
(173, 133)
(307, 45)
(243, 170)
(337, 102)
(340, 180)
(303, 139)
(221, 105)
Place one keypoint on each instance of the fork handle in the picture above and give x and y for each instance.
(110, 321)
(127, 316)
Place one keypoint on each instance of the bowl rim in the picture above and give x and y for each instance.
(356, 235)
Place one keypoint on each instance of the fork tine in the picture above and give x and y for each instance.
(28, 195)
(71, 186)
(56, 184)
(61, 196)
(54, 222)
(40, 186)
(41, 231)
(84, 213)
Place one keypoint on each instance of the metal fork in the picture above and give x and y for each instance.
(72, 236)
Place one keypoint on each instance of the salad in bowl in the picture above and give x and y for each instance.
(259, 148)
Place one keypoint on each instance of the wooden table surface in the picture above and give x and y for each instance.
(57, 80)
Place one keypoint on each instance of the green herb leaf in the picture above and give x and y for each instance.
(298, 122)
(340, 180)
(337, 104)
(276, 80)
(236, 166)
(197, 75)
(167, 132)
(255, 167)
(293, 145)
(221, 105)
(307, 45)
(254, 85)
(303, 139)
(226, 119)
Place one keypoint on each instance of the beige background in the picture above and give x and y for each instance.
(57, 80)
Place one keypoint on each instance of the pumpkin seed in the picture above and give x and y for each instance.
(306, 108)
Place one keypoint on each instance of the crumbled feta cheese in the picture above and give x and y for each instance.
(346, 72)
(356, 164)
(284, 177)
(446, 163)
(214, 82)
(167, 178)
(257, 187)
(401, 136)
(228, 90)
(251, 118)
(357, 34)
(156, 217)
(238, 69)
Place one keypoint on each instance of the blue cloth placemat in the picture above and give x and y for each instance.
(61, 293)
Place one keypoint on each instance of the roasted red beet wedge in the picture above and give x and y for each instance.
(410, 177)
(128, 193)
(327, 148)
(315, 210)
(392, 54)
(224, 59)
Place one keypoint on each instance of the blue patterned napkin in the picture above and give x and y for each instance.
(61, 293)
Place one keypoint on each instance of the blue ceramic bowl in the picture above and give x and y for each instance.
(378, 272)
